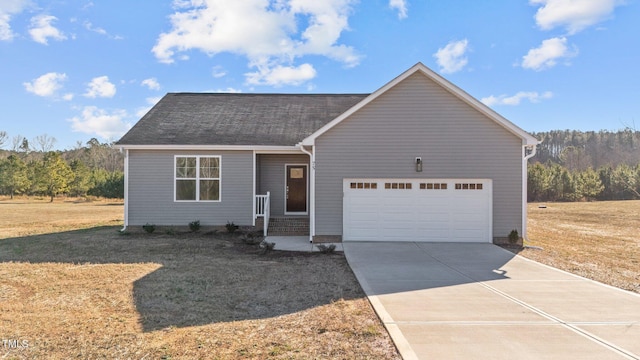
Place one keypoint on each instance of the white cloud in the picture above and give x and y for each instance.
(41, 29)
(89, 26)
(9, 8)
(267, 32)
(401, 6)
(100, 87)
(547, 54)
(151, 101)
(451, 58)
(574, 15)
(98, 30)
(281, 75)
(151, 83)
(46, 85)
(228, 90)
(532, 96)
(97, 121)
(67, 97)
(218, 72)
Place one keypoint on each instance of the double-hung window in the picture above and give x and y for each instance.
(197, 178)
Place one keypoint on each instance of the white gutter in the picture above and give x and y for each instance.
(525, 160)
(126, 189)
(312, 190)
(257, 148)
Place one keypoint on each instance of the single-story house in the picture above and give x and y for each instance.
(418, 159)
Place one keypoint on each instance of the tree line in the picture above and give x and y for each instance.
(573, 165)
(569, 165)
(34, 168)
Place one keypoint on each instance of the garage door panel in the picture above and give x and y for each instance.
(418, 212)
(398, 233)
(397, 217)
(364, 216)
(364, 233)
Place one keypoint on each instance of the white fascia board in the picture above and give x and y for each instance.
(456, 91)
(260, 149)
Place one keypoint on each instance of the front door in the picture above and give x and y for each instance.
(296, 189)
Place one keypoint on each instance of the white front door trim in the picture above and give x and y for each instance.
(286, 185)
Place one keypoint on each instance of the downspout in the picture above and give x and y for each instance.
(253, 195)
(126, 189)
(525, 163)
(312, 190)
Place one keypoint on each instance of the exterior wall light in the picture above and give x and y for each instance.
(418, 164)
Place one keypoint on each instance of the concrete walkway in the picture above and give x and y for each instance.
(297, 243)
(479, 301)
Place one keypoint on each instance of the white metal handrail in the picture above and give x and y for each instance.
(263, 209)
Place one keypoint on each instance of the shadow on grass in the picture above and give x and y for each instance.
(202, 279)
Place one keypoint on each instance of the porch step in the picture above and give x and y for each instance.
(288, 226)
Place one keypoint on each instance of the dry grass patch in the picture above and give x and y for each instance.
(94, 293)
(597, 240)
(24, 216)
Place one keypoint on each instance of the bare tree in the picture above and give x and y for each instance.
(3, 138)
(44, 142)
(16, 142)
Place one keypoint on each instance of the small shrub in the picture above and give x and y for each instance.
(513, 236)
(171, 231)
(326, 249)
(266, 246)
(149, 228)
(252, 238)
(194, 226)
(231, 227)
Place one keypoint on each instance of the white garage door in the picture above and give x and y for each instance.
(439, 210)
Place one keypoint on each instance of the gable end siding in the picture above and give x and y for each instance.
(151, 190)
(418, 118)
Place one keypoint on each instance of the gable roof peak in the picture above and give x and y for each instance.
(527, 139)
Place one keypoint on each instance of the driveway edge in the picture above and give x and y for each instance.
(401, 343)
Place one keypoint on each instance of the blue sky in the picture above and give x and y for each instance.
(75, 70)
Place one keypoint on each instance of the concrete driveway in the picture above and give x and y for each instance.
(478, 301)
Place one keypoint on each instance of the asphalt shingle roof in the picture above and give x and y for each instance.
(237, 119)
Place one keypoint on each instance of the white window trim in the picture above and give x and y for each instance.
(197, 179)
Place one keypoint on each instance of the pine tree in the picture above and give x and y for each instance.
(82, 178)
(590, 185)
(54, 174)
(13, 175)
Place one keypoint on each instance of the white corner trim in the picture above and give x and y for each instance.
(525, 190)
(253, 190)
(126, 190)
(312, 191)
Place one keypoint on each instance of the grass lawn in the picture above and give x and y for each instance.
(597, 240)
(72, 287)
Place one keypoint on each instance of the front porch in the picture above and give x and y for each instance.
(284, 225)
(282, 194)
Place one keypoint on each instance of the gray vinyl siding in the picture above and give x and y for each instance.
(151, 190)
(419, 118)
(272, 177)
